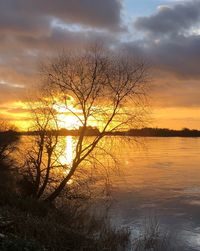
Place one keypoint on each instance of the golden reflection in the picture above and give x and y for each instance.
(66, 157)
(69, 150)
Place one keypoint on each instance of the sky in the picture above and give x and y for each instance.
(165, 33)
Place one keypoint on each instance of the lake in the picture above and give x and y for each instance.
(159, 178)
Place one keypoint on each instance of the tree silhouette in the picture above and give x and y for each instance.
(97, 87)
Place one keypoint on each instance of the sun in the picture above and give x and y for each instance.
(68, 116)
(68, 121)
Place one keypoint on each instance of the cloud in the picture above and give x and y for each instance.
(9, 93)
(167, 91)
(21, 55)
(174, 70)
(30, 15)
(171, 39)
(32, 31)
(171, 19)
(180, 55)
(168, 42)
(28, 33)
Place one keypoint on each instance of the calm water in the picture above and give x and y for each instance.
(161, 178)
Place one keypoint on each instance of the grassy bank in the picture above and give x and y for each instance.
(28, 224)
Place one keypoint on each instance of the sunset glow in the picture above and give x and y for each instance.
(100, 125)
(155, 31)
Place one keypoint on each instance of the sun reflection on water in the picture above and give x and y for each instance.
(66, 158)
(69, 150)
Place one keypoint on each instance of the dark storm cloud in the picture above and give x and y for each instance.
(21, 55)
(63, 38)
(33, 30)
(174, 69)
(170, 41)
(28, 36)
(104, 13)
(171, 38)
(171, 20)
(180, 55)
(31, 15)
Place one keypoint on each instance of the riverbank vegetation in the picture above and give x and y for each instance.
(27, 223)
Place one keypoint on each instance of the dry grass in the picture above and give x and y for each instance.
(56, 231)
(152, 237)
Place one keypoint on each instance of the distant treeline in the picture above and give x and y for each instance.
(163, 132)
(90, 131)
(143, 132)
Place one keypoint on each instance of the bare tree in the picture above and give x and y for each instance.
(98, 88)
(41, 158)
(45, 162)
